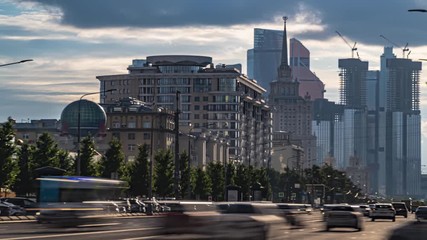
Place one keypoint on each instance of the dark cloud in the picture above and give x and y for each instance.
(359, 20)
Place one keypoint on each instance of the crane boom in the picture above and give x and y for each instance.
(353, 48)
(404, 49)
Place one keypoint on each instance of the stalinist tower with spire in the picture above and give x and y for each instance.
(292, 113)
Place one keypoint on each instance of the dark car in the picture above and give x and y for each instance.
(29, 205)
(421, 213)
(400, 208)
(9, 209)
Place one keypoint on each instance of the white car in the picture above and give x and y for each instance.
(383, 211)
(343, 216)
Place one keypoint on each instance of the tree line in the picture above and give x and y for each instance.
(19, 160)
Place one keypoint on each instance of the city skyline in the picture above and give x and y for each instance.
(71, 46)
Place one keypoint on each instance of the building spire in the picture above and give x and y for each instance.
(285, 44)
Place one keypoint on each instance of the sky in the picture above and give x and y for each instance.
(72, 42)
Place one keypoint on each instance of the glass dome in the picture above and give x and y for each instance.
(92, 118)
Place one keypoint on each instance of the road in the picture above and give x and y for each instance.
(144, 227)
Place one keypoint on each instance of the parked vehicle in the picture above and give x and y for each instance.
(400, 208)
(135, 206)
(383, 211)
(343, 216)
(29, 205)
(9, 209)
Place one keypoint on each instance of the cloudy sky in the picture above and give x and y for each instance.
(72, 42)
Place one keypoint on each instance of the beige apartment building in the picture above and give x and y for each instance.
(219, 105)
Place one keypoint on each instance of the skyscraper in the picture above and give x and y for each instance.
(264, 59)
(291, 112)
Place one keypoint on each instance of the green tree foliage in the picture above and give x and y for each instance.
(203, 186)
(113, 162)
(24, 184)
(139, 172)
(215, 172)
(66, 162)
(87, 153)
(164, 169)
(243, 180)
(185, 184)
(46, 153)
(7, 150)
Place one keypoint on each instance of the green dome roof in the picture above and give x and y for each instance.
(92, 118)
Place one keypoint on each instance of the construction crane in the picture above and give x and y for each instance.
(353, 49)
(404, 49)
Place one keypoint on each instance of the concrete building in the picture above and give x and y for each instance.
(291, 112)
(220, 101)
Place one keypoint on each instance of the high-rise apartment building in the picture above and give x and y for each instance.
(291, 112)
(216, 100)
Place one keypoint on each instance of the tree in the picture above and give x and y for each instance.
(164, 173)
(243, 180)
(66, 162)
(87, 152)
(24, 180)
(113, 163)
(139, 172)
(185, 183)
(46, 153)
(202, 187)
(215, 172)
(7, 150)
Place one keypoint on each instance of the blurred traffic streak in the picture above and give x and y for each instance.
(226, 220)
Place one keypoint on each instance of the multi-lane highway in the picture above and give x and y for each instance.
(145, 227)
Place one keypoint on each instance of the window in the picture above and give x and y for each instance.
(196, 116)
(196, 107)
(197, 99)
(146, 124)
(131, 147)
(205, 99)
(131, 136)
(147, 136)
(25, 136)
(131, 124)
(116, 124)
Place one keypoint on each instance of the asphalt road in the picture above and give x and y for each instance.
(144, 227)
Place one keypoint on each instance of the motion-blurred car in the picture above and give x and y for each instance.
(421, 213)
(400, 208)
(383, 211)
(343, 217)
(29, 205)
(326, 208)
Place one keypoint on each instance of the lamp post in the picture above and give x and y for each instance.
(78, 168)
(22, 61)
(176, 130)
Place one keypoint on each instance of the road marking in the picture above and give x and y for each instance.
(97, 225)
(82, 234)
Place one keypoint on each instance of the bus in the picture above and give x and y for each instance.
(75, 200)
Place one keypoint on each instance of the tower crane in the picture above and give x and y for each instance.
(353, 49)
(404, 49)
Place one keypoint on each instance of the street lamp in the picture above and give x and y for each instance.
(78, 170)
(22, 61)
